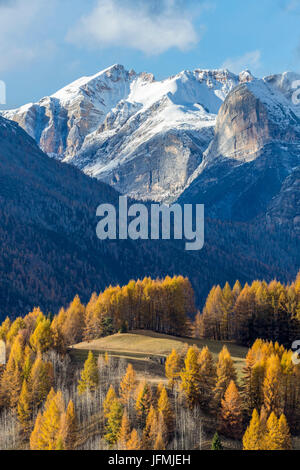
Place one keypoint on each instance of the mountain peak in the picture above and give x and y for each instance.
(113, 73)
(246, 76)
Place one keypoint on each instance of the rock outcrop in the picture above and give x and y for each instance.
(255, 149)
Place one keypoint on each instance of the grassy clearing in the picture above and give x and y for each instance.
(143, 347)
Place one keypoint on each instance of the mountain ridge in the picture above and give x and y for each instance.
(130, 130)
(49, 251)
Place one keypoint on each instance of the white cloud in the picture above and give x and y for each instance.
(292, 5)
(151, 27)
(18, 44)
(250, 60)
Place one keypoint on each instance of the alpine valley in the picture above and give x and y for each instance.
(231, 142)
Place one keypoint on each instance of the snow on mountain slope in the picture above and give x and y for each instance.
(144, 137)
(251, 167)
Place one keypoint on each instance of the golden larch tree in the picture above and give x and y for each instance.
(173, 368)
(284, 435)
(125, 432)
(134, 443)
(150, 429)
(128, 385)
(207, 378)
(111, 396)
(41, 380)
(24, 408)
(164, 407)
(68, 427)
(114, 421)
(231, 417)
(47, 428)
(143, 401)
(252, 439)
(272, 386)
(159, 443)
(36, 442)
(190, 377)
(225, 374)
(89, 375)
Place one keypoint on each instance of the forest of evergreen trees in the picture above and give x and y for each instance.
(243, 314)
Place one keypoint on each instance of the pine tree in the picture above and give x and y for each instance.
(216, 443)
(159, 388)
(144, 400)
(247, 382)
(51, 423)
(207, 378)
(46, 432)
(73, 326)
(59, 343)
(225, 374)
(60, 444)
(159, 443)
(128, 385)
(4, 329)
(124, 432)
(231, 420)
(272, 386)
(68, 427)
(41, 339)
(114, 421)
(28, 363)
(272, 441)
(173, 367)
(109, 400)
(12, 378)
(41, 380)
(252, 439)
(284, 435)
(161, 426)
(134, 443)
(226, 309)
(24, 408)
(164, 407)
(106, 358)
(190, 377)
(89, 376)
(15, 328)
(151, 429)
(35, 438)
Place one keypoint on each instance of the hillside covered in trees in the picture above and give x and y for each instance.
(49, 250)
(50, 402)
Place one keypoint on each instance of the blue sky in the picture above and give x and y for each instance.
(45, 44)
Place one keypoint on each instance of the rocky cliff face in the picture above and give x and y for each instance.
(253, 115)
(255, 149)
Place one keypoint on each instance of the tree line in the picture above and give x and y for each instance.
(260, 310)
(162, 305)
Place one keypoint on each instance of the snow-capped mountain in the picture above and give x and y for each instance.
(144, 137)
(205, 136)
(49, 250)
